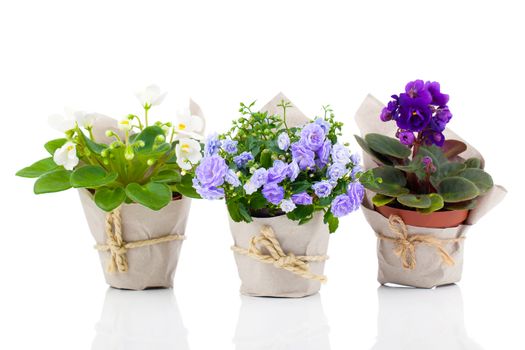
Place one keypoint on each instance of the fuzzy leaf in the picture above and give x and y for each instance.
(436, 204)
(480, 178)
(473, 163)
(415, 200)
(379, 200)
(379, 158)
(457, 189)
(387, 146)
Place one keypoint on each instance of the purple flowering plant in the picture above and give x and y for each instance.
(420, 170)
(265, 168)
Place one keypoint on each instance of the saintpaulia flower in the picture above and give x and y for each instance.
(188, 152)
(323, 124)
(323, 154)
(388, 113)
(211, 171)
(429, 166)
(242, 159)
(302, 198)
(287, 205)
(416, 93)
(212, 145)
(438, 98)
(440, 120)
(293, 171)
(336, 171)
(232, 178)
(187, 124)
(124, 125)
(278, 172)
(150, 96)
(67, 121)
(312, 136)
(229, 146)
(283, 141)
(322, 188)
(407, 138)
(340, 154)
(66, 156)
(208, 192)
(341, 205)
(273, 193)
(433, 137)
(302, 155)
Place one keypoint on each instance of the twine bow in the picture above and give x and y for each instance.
(405, 244)
(278, 258)
(118, 248)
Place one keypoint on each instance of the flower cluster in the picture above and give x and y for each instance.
(422, 109)
(264, 168)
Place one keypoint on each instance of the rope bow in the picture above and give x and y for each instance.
(118, 248)
(276, 256)
(405, 244)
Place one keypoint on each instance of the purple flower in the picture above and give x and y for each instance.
(429, 166)
(313, 136)
(440, 119)
(406, 138)
(283, 141)
(323, 154)
(322, 188)
(340, 154)
(356, 192)
(356, 169)
(355, 158)
(210, 193)
(336, 171)
(342, 205)
(302, 155)
(229, 146)
(287, 205)
(414, 118)
(212, 145)
(242, 159)
(433, 137)
(416, 93)
(273, 193)
(211, 171)
(278, 172)
(323, 124)
(259, 177)
(438, 98)
(302, 198)
(293, 170)
(232, 178)
(388, 112)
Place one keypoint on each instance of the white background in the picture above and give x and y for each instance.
(93, 55)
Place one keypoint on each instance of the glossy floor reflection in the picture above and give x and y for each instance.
(140, 320)
(422, 319)
(281, 323)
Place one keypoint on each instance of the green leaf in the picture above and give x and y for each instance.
(379, 200)
(167, 176)
(387, 146)
(94, 147)
(233, 209)
(257, 201)
(379, 158)
(148, 136)
(38, 168)
(301, 212)
(53, 145)
(480, 178)
(415, 200)
(92, 176)
(390, 175)
(243, 211)
(473, 163)
(436, 204)
(331, 220)
(152, 195)
(434, 152)
(266, 158)
(185, 187)
(457, 189)
(54, 181)
(108, 199)
(300, 186)
(450, 169)
(466, 205)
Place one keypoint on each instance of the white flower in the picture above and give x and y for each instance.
(287, 205)
(188, 153)
(150, 96)
(188, 125)
(66, 156)
(65, 122)
(250, 188)
(86, 120)
(124, 125)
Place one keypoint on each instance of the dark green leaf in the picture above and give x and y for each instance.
(152, 195)
(414, 200)
(300, 186)
(108, 199)
(436, 203)
(257, 201)
(331, 220)
(457, 189)
(54, 181)
(473, 163)
(379, 158)
(387, 146)
(379, 200)
(480, 178)
(94, 147)
(266, 158)
(92, 176)
(167, 176)
(38, 168)
(301, 212)
(185, 187)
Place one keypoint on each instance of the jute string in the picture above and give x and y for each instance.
(276, 256)
(118, 248)
(405, 244)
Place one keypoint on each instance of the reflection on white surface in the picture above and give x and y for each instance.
(422, 319)
(148, 320)
(282, 323)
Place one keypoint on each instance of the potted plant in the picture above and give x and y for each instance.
(131, 175)
(429, 188)
(286, 181)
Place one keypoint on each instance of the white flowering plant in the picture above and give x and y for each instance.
(133, 162)
(264, 168)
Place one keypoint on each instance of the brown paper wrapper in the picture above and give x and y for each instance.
(430, 271)
(149, 266)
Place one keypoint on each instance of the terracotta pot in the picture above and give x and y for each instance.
(439, 219)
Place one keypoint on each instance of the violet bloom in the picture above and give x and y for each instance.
(414, 118)
(341, 205)
(440, 119)
(407, 138)
(302, 198)
(323, 154)
(242, 159)
(323, 124)
(229, 146)
(312, 136)
(433, 137)
(429, 165)
(211, 171)
(287, 205)
(416, 93)
(293, 171)
(336, 171)
(322, 188)
(303, 155)
(283, 141)
(212, 145)
(210, 193)
(356, 192)
(259, 177)
(340, 154)
(278, 172)
(273, 193)
(232, 178)
(438, 98)
(388, 113)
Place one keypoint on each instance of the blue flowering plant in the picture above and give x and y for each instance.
(419, 169)
(264, 168)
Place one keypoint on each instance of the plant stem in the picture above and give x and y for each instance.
(146, 109)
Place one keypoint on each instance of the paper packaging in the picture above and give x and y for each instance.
(149, 266)
(261, 279)
(430, 271)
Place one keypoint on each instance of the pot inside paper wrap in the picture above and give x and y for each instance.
(430, 271)
(149, 266)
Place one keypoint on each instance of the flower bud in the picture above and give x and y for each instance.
(104, 152)
(160, 139)
(183, 172)
(150, 162)
(129, 154)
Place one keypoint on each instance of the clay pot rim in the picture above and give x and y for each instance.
(421, 216)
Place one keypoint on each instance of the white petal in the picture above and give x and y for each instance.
(60, 123)
(158, 100)
(197, 123)
(60, 156)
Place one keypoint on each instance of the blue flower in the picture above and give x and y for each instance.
(336, 171)
(211, 171)
(278, 172)
(322, 188)
(303, 155)
(210, 193)
(323, 154)
(302, 198)
(340, 154)
(342, 205)
(229, 146)
(356, 192)
(293, 171)
(283, 141)
(313, 136)
(273, 193)
(323, 124)
(287, 205)
(212, 145)
(232, 178)
(242, 159)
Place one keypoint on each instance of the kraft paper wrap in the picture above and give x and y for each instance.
(149, 266)
(260, 279)
(430, 271)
